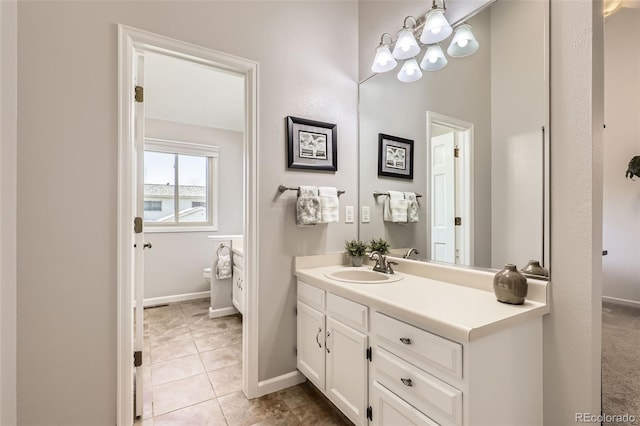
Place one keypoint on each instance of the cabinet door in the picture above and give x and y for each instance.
(347, 370)
(388, 409)
(236, 296)
(311, 352)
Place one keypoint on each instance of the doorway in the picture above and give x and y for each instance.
(199, 216)
(449, 163)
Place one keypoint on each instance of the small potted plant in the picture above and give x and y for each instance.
(379, 245)
(356, 250)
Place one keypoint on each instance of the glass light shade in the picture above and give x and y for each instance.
(464, 42)
(433, 58)
(406, 47)
(384, 60)
(410, 71)
(436, 27)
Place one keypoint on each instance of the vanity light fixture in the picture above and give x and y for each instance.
(406, 46)
(433, 58)
(410, 71)
(464, 42)
(436, 27)
(384, 60)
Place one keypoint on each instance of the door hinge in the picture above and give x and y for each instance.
(368, 354)
(137, 225)
(137, 358)
(370, 413)
(139, 97)
(456, 152)
(457, 221)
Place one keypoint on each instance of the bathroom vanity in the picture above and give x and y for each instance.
(430, 346)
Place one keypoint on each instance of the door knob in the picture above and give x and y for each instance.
(147, 246)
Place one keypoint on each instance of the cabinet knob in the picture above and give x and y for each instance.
(406, 382)
(317, 337)
(405, 340)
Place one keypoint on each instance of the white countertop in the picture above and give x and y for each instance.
(455, 311)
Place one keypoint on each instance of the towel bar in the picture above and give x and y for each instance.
(282, 188)
(377, 194)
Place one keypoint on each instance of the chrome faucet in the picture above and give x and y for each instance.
(382, 265)
(411, 250)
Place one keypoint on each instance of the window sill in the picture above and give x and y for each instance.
(149, 229)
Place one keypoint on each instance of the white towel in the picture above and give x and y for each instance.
(329, 204)
(308, 206)
(412, 208)
(395, 208)
(223, 267)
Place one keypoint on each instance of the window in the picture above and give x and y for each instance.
(152, 206)
(179, 183)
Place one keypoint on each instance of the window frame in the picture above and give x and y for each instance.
(211, 152)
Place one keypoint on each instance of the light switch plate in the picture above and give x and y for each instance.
(365, 214)
(348, 214)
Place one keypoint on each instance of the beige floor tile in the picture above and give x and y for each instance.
(206, 413)
(173, 350)
(179, 368)
(181, 393)
(284, 419)
(143, 422)
(223, 357)
(170, 335)
(208, 342)
(239, 411)
(226, 380)
(167, 324)
(195, 307)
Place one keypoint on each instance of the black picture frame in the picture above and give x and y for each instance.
(395, 157)
(311, 144)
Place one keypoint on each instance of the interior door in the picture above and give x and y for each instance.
(443, 236)
(138, 236)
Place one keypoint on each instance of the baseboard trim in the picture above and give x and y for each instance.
(222, 312)
(153, 301)
(280, 382)
(620, 301)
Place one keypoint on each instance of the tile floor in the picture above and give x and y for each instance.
(194, 373)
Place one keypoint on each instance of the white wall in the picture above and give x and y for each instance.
(517, 70)
(572, 331)
(174, 264)
(8, 148)
(67, 304)
(621, 267)
(462, 90)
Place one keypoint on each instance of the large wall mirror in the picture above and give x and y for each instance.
(479, 128)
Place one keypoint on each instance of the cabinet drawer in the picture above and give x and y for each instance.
(311, 295)
(430, 395)
(350, 313)
(418, 346)
(389, 409)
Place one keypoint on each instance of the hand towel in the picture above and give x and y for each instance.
(329, 204)
(412, 208)
(223, 267)
(395, 208)
(308, 206)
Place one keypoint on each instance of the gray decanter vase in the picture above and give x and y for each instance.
(510, 286)
(534, 269)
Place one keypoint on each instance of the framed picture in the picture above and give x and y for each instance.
(311, 145)
(395, 157)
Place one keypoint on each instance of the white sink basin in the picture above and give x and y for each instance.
(362, 276)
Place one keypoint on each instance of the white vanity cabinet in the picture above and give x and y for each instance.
(332, 348)
(238, 294)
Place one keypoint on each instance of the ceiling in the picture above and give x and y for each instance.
(185, 92)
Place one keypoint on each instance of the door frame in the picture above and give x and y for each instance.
(129, 40)
(465, 174)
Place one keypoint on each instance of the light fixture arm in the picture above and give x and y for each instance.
(435, 6)
(382, 43)
(407, 27)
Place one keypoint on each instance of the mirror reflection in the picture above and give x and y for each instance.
(478, 147)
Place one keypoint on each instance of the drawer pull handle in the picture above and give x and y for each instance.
(318, 335)
(406, 382)
(326, 346)
(405, 340)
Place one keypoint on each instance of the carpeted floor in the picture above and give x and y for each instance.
(620, 361)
